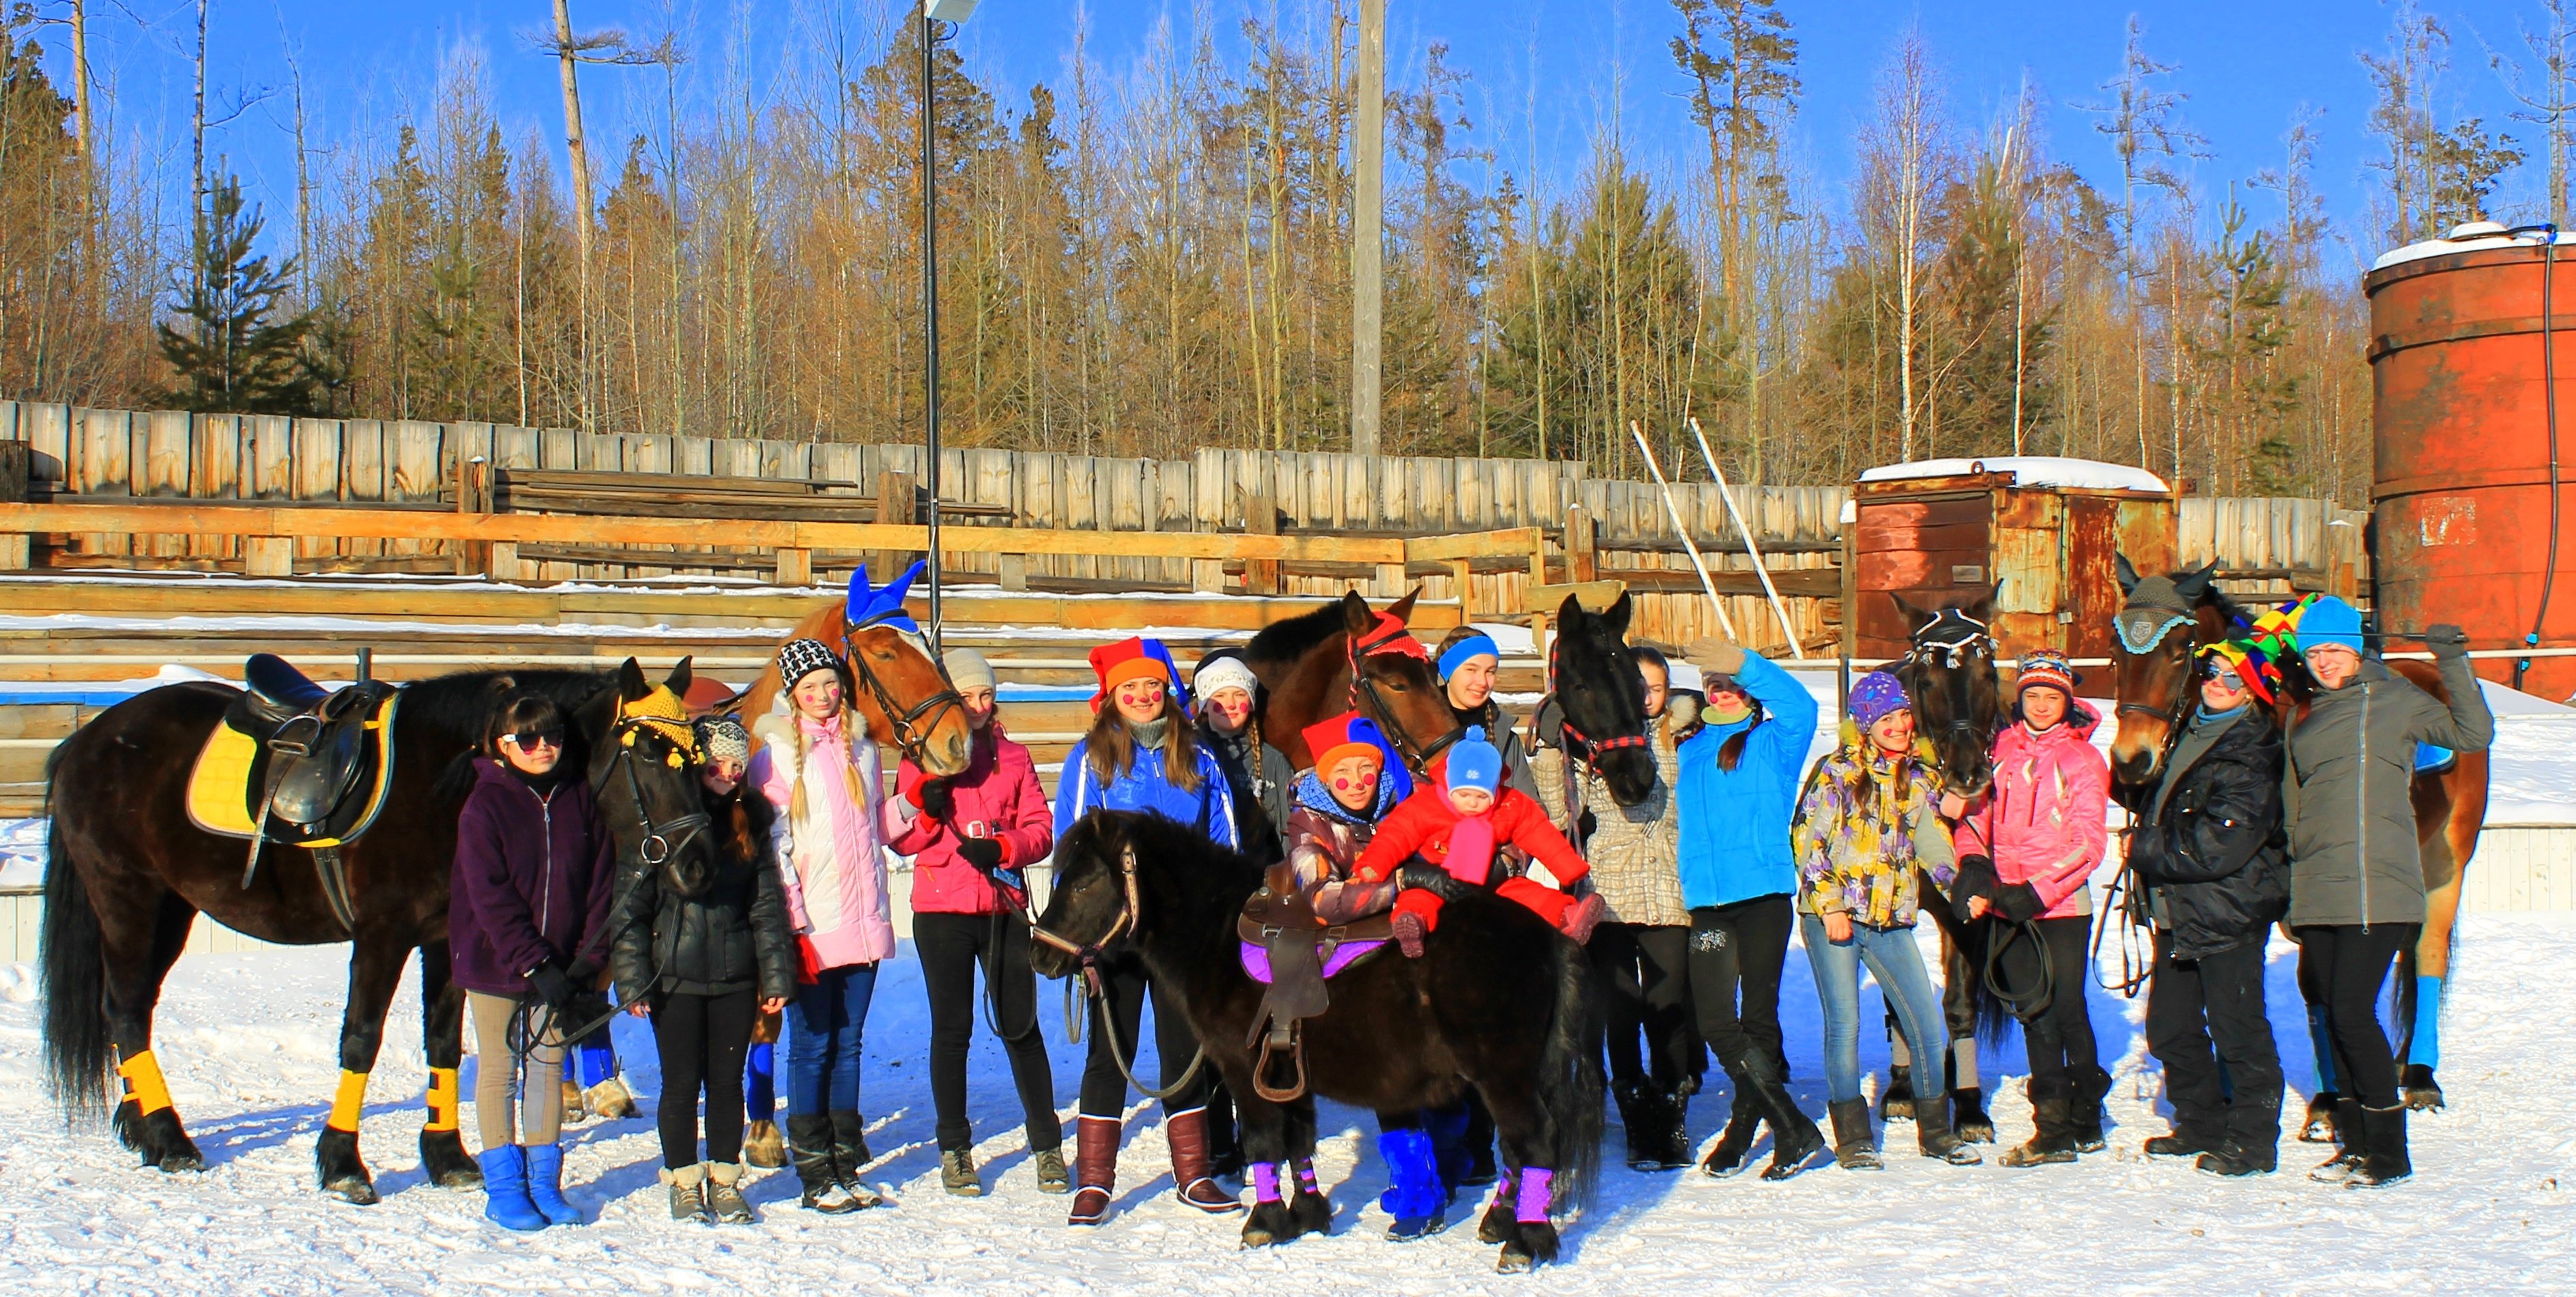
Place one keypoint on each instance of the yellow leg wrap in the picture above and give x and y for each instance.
(346, 1103)
(442, 1099)
(143, 1083)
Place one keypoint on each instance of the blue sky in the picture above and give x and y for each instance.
(2247, 65)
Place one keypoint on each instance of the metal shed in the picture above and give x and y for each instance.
(2038, 530)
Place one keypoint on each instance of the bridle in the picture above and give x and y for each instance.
(1086, 956)
(911, 733)
(1417, 757)
(664, 840)
(1950, 641)
(2138, 639)
(1593, 748)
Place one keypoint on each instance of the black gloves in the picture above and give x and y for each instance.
(553, 986)
(1976, 878)
(938, 800)
(583, 972)
(982, 853)
(2019, 901)
(2147, 851)
(2447, 641)
(1430, 878)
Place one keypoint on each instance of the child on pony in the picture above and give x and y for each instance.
(1457, 828)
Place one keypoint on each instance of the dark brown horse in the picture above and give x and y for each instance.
(1499, 1001)
(2154, 680)
(128, 873)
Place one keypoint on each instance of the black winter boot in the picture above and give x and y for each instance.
(2383, 1144)
(810, 1147)
(849, 1153)
(2054, 1141)
(2348, 1144)
(1636, 1102)
(1795, 1141)
(1932, 1133)
(2092, 1084)
(1742, 1121)
(2233, 1161)
(1853, 1149)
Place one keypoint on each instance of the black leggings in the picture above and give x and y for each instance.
(1104, 1091)
(702, 1039)
(2342, 966)
(1649, 998)
(1737, 951)
(951, 947)
(2057, 1032)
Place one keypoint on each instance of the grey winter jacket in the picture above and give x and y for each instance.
(2346, 795)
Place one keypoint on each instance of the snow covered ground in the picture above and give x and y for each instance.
(249, 1040)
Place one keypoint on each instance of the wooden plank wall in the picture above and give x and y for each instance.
(2318, 541)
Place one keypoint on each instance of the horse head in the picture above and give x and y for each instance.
(1390, 679)
(1109, 863)
(2159, 629)
(642, 759)
(902, 691)
(1602, 697)
(1957, 695)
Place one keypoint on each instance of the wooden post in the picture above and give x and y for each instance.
(1582, 557)
(17, 463)
(268, 555)
(1460, 572)
(1851, 587)
(505, 561)
(1207, 576)
(1260, 518)
(795, 568)
(895, 504)
(1368, 218)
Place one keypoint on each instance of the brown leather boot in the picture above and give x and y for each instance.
(1187, 1132)
(1095, 1168)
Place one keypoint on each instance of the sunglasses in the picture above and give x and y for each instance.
(526, 739)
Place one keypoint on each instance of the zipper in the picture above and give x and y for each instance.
(546, 876)
(2361, 806)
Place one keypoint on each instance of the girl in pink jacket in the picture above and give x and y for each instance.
(2028, 849)
(818, 767)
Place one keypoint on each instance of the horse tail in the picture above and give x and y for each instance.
(1571, 1084)
(79, 1048)
(2405, 1004)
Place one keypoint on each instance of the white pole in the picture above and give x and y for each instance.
(1674, 512)
(1727, 493)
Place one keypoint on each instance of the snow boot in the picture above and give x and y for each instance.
(2180, 1143)
(810, 1140)
(849, 1153)
(1408, 933)
(1052, 1177)
(2092, 1084)
(762, 1146)
(1632, 1098)
(505, 1190)
(2053, 1142)
(2383, 1149)
(1414, 1197)
(1933, 1135)
(957, 1173)
(1742, 1121)
(2348, 1144)
(688, 1188)
(724, 1194)
(1853, 1150)
(1187, 1133)
(1095, 1142)
(545, 1184)
(1795, 1141)
(2232, 1160)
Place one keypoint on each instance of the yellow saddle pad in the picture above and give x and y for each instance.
(230, 775)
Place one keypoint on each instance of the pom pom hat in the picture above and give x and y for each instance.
(1474, 763)
(1136, 659)
(723, 737)
(1874, 696)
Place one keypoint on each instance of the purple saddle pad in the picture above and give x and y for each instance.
(1256, 961)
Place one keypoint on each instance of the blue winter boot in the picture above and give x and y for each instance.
(545, 1185)
(505, 1189)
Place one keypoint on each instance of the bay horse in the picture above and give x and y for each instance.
(127, 873)
(899, 688)
(1500, 1001)
(2156, 694)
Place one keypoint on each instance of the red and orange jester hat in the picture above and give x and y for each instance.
(1137, 658)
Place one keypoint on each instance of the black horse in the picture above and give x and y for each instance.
(1499, 1001)
(128, 872)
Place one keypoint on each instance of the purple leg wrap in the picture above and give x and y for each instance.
(1265, 1182)
(1534, 1195)
(1306, 1177)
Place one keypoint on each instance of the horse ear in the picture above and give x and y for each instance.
(630, 681)
(1984, 608)
(678, 681)
(1617, 617)
(2196, 584)
(1916, 615)
(1569, 614)
(2127, 572)
(1356, 617)
(1402, 609)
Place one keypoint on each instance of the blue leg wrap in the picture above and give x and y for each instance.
(2427, 1045)
(1413, 1175)
(598, 1062)
(2321, 1038)
(760, 1082)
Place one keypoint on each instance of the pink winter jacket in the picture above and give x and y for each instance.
(832, 860)
(2042, 822)
(998, 797)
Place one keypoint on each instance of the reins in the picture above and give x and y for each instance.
(911, 736)
(1086, 957)
(1417, 757)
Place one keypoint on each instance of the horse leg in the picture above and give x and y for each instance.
(1528, 1134)
(145, 1120)
(2432, 966)
(1308, 1209)
(375, 969)
(442, 1026)
(2319, 1126)
(1896, 1102)
(1266, 1151)
(1959, 982)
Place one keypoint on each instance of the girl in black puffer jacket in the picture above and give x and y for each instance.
(705, 956)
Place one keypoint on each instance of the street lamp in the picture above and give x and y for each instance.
(933, 13)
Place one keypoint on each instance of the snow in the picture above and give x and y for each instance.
(2028, 470)
(22, 853)
(2486, 237)
(249, 1044)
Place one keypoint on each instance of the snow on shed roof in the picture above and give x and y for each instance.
(2028, 470)
(2475, 236)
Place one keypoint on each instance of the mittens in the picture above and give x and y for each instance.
(2447, 641)
(982, 853)
(2019, 901)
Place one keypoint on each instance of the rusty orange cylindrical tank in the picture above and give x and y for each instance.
(2461, 412)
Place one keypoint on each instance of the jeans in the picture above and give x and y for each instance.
(1892, 958)
(826, 1024)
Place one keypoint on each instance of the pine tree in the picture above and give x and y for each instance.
(231, 358)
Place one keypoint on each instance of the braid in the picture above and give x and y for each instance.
(850, 731)
(796, 790)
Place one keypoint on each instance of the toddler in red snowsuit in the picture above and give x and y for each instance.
(1457, 827)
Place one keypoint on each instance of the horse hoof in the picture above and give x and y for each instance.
(353, 1190)
(1516, 1259)
(2423, 1093)
(1268, 1224)
(164, 1143)
(1980, 1130)
(179, 1163)
(1312, 1214)
(443, 1157)
(1500, 1225)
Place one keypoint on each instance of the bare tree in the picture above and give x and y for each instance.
(2548, 99)
(2142, 118)
(1903, 145)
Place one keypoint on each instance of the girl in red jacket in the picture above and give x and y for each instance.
(972, 840)
(1457, 828)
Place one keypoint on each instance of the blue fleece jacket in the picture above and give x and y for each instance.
(1145, 787)
(1735, 823)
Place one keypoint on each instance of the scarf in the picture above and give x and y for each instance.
(1151, 734)
(1314, 796)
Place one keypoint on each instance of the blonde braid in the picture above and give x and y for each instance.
(851, 728)
(796, 790)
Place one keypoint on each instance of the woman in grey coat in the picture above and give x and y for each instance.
(2357, 884)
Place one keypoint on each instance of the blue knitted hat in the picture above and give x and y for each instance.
(1875, 695)
(1475, 763)
(2330, 621)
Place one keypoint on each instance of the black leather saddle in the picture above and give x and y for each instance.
(1294, 951)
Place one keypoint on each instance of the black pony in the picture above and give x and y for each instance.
(1499, 1001)
(127, 874)
(1600, 698)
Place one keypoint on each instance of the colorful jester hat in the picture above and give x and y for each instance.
(1137, 658)
(882, 606)
(1329, 741)
(2256, 655)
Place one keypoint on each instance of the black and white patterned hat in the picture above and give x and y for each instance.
(803, 657)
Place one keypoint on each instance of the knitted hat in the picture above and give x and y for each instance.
(1474, 763)
(723, 737)
(1473, 646)
(1223, 670)
(1874, 696)
(1390, 635)
(1350, 734)
(2330, 621)
(967, 669)
(2048, 669)
(800, 658)
(1136, 659)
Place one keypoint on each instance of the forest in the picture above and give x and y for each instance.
(1144, 258)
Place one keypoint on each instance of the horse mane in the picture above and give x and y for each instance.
(1287, 641)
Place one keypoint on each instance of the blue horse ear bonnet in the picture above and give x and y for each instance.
(882, 606)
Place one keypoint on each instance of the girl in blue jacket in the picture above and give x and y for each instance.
(1738, 788)
(1142, 754)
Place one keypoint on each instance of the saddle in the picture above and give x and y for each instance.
(1293, 951)
(300, 765)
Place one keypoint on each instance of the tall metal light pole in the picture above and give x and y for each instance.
(933, 13)
(1368, 158)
